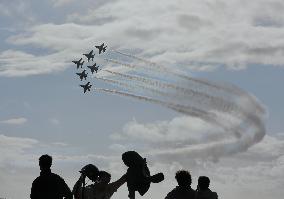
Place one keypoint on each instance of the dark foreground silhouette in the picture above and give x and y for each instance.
(203, 191)
(183, 190)
(49, 185)
(138, 174)
(100, 189)
(138, 178)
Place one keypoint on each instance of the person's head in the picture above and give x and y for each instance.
(183, 178)
(45, 162)
(104, 177)
(203, 182)
(91, 171)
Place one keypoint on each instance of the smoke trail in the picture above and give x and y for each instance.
(177, 107)
(251, 135)
(131, 86)
(215, 149)
(116, 82)
(120, 63)
(188, 110)
(212, 100)
(228, 88)
(240, 115)
(216, 100)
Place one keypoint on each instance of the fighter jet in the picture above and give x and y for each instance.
(79, 63)
(82, 75)
(93, 68)
(90, 55)
(86, 87)
(101, 48)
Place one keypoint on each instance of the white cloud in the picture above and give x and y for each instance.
(59, 3)
(18, 63)
(195, 35)
(13, 149)
(15, 121)
(60, 144)
(194, 137)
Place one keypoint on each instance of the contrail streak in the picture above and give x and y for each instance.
(232, 89)
(219, 102)
(116, 82)
(131, 86)
(188, 110)
(232, 110)
(188, 91)
(180, 108)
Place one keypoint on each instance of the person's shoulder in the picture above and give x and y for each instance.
(57, 177)
(173, 192)
(214, 195)
(54, 175)
(36, 180)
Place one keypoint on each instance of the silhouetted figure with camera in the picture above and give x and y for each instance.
(183, 190)
(138, 175)
(49, 185)
(203, 191)
(102, 188)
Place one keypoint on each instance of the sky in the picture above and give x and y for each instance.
(225, 58)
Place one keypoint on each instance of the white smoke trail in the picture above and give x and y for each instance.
(214, 149)
(212, 101)
(231, 110)
(207, 116)
(130, 86)
(115, 82)
(228, 88)
(188, 110)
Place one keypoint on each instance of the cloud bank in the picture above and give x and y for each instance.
(189, 35)
(14, 121)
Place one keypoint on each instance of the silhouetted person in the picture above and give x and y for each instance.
(90, 171)
(100, 189)
(203, 191)
(183, 190)
(138, 174)
(49, 185)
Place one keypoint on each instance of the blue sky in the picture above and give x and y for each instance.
(43, 109)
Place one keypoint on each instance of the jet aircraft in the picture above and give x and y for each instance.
(90, 55)
(101, 48)
(79, 63)
(82, 75)
(86, 87)
(93, 68)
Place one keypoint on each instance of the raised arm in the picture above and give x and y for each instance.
(115, 185)
(77, 189)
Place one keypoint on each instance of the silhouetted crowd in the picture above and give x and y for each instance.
(51, 186)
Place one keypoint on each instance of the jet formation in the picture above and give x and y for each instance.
(93, 68)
